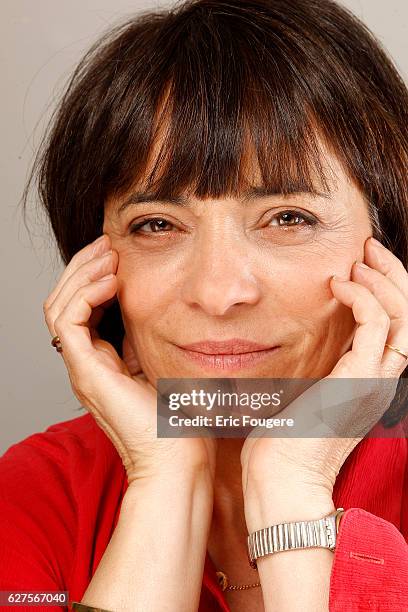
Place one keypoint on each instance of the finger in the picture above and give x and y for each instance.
(71, 323)
(391, 298)
(86, 273)
(89, 252)
(98, 313)
(395, 304)
(372, 330)
(381, 259)
(129, 356)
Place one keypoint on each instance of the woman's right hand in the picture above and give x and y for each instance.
(123, 404)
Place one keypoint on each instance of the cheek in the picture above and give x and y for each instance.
(310, 299)
(327, 319)
(306, 296)
(141, 293)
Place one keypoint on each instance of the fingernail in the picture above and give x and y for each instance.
(375, 242)
(338, 278)
(360, 264)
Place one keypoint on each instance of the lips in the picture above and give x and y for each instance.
(228, 356)
(234, 346)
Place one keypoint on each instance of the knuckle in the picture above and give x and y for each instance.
(363, 292)
(403, 318)
(59, 323)
(46, 305)
(387, 264)
(48, 318)
(81, 292)
(378, 286)
(383, 318)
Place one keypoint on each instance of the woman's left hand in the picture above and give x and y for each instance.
(292, 467)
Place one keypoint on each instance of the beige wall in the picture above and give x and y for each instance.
(41, 41)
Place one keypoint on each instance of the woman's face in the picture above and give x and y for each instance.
(227, 269)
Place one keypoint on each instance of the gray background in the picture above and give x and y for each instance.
(41, 41)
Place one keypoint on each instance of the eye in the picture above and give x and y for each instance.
(284, 219)
(291, 218)
(155, 222)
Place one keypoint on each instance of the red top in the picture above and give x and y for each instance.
(60, 497)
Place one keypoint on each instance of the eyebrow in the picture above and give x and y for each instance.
(140, 197)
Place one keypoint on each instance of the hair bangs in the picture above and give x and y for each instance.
(219, 124)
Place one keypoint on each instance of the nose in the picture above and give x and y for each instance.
(221, 276)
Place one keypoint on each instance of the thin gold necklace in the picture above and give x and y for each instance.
(226, 586)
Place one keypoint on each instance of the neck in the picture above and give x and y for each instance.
(228, 479)
(227, 540)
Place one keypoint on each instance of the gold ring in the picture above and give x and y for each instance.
(57, 343)
(397, 350)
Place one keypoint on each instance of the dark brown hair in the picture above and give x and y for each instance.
(277, 73)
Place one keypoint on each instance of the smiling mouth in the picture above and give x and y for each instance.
(228, 361)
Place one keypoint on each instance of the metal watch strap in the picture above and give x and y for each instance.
(300, 534)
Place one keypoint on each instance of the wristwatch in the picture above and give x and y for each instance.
(300, 534)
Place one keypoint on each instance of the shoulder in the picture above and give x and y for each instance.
(75, 440)
(54, 485)
(55, 470)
